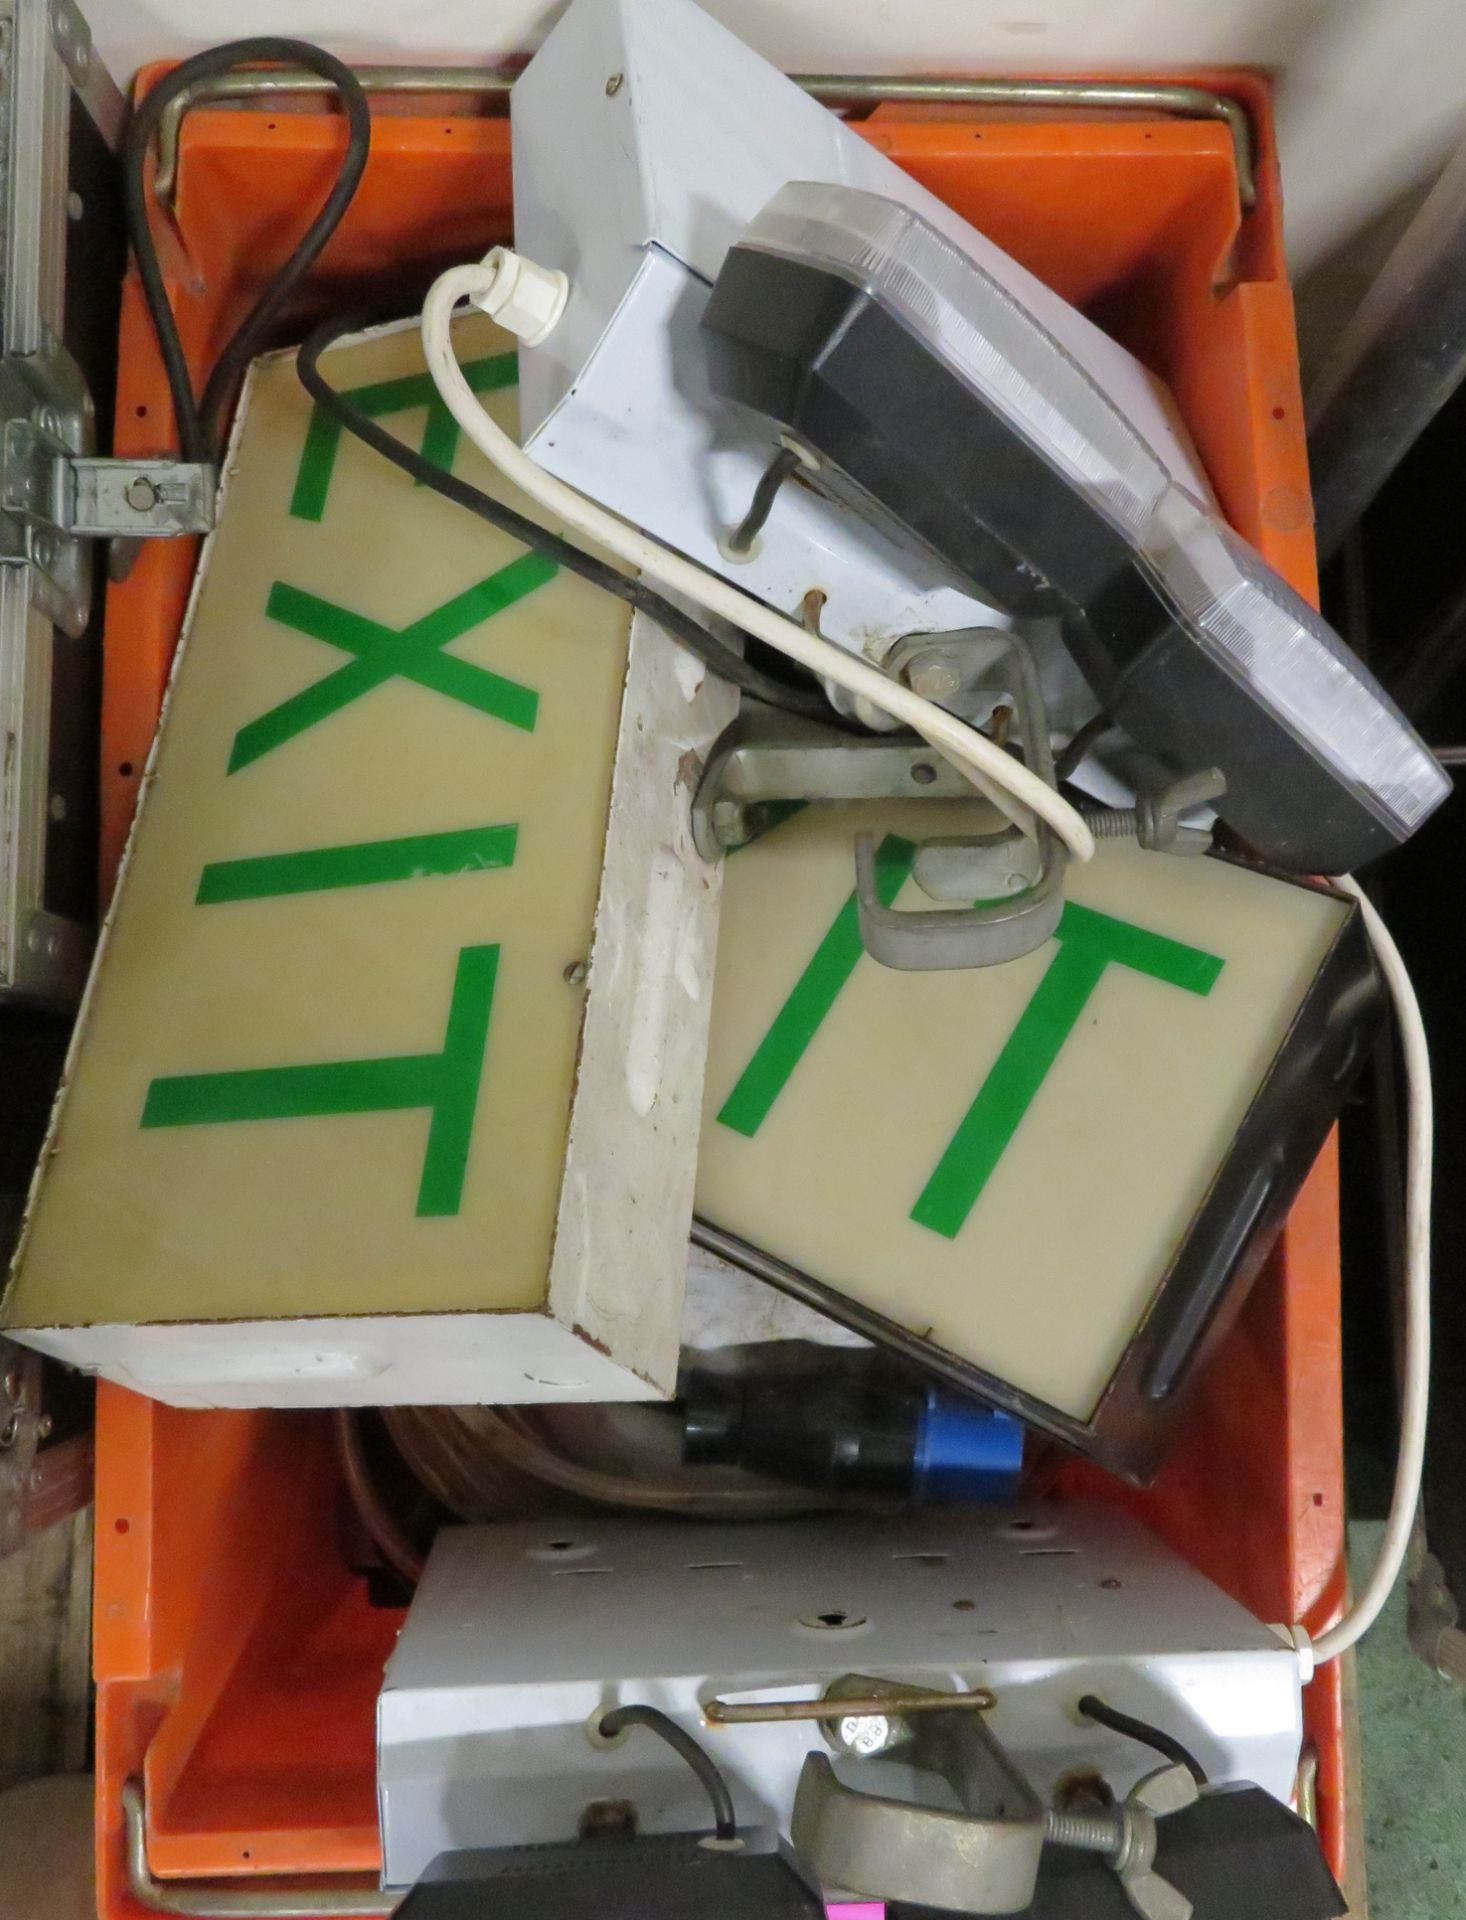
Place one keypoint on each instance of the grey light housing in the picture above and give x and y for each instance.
(936, 403)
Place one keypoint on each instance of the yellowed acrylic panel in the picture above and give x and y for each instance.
(332, 1214)
(837, 1091)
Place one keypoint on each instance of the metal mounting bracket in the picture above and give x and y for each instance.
(59, 116)
(980, 1857)
(768, 760)
(54, 494)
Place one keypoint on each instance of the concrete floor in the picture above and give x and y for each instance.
(1414, 1753)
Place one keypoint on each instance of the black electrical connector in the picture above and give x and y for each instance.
(851, 1425)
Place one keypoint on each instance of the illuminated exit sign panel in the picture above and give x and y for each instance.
(1009, 1163)
(367, 975)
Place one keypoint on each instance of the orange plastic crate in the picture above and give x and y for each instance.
(237, 1659)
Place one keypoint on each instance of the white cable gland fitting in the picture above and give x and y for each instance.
(525, 299)
(1301, 1642)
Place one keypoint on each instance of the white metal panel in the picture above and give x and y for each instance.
(518, 1636)
(425, 1359)
(644, 434)
(681, 136)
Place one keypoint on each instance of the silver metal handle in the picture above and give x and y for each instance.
(835, 89)
(199, 1900)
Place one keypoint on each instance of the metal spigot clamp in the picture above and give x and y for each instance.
(1126, 1836)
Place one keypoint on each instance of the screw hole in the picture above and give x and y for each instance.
(269, 128)
(560, 1553)
(1111, 1584)
(833, 1620)
(122, 1526)
(1318, 1499)
(1279, 413)
(964, 1606)
(141, 411)
(125, 769)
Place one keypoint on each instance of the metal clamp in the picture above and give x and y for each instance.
(1126, 1836)
(767, 760)
(834, 89)
(982, 1857)
(1016, 882)
(1155, 819)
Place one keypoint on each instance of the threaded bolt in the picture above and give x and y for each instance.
(1112, 823)
(1092, 1832)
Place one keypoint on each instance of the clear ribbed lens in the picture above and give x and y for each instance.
(1225, 599)
(978, 330)
(1291, 661)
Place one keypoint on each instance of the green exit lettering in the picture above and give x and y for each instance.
(1087, 944)
(381, 397)
(446, 1083)
(379, 654)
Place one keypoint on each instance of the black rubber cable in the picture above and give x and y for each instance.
(200, 420)
(1095, 728)
(717, 655)
(682, 1743)
(1093, 1708)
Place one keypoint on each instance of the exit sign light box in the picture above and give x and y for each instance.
(387, 1084)
(1052, 1181)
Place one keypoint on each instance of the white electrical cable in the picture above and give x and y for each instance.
(1019, 791)
(1022, 794)
(1415, 1394)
